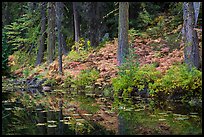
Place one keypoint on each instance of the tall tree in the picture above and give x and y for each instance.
(42, 32)
(122, 46)
(76, 22)
(94, 23)
(58, 20)
(64, 45)
(191, 50)
(51, 31)
(123, 31)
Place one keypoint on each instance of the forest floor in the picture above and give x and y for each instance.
(150, 51)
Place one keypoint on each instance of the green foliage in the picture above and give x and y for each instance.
(132, 33)
(135, 77)
(86, 79)
(22, 34)
(156, 28)
(79, 50)
(68, 82)
(147, 74)
(179, 78)
(51, 82)
(24, 31)
(124, 81)
(26, 72)
(77, 56)
(81, 45)
(144, 19)
(176, 9)
(87, 104)
(23, 59)
(146, 12)
(70, 42)
(6, 51)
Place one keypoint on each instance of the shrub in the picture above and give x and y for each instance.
(179, 82)
(179, 79)
(68, 82)
(77, 56)
(81, 45)
(51, 82)
(85, 80)
(21, 60)
(135, 77)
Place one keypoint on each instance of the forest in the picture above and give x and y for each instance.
(101, 68)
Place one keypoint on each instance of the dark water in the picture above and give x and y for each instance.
(20, 120)
(139, 118)
(165, 118)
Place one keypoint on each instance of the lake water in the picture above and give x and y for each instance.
(56, 113)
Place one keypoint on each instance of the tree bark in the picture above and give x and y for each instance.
(64, 45)
(58, 20)
(76, 22)
(191, 50)
(196, 6)
(42, 36)
(94, 23)
(123, 31)
(51, 32)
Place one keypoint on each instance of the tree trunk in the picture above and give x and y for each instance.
(123, 31)
(42, 32)
(58, 20)
(76, 22)
(76, 25)
(51, 31)
(191, 50)
(94, 23)
(196, 6)
(64, 45)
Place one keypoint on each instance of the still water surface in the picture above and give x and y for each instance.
(140, 118)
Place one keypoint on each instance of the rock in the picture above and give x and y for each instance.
(46, 88)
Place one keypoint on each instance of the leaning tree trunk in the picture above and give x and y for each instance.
(191, 50)
(51, 31)
(123, 31)
(58, 20)
(42, 36)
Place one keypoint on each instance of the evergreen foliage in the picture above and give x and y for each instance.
(6, 51)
